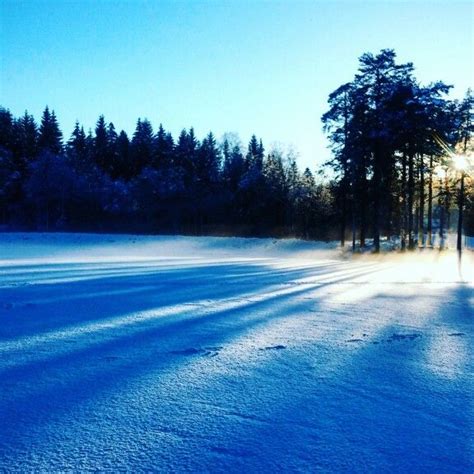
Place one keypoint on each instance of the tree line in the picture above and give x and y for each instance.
(393, 144)
(104, 180)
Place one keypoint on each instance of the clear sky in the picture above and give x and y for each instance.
(262, 67)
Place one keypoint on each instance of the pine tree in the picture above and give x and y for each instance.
(208, 163)
(101, 145)
(255, 154)
(276, 190)
(6, 129)
(186, 156)
(77, 146)
(142, 146)
(124, 165)
(50, 136)
(233, 168)
(112, 152)
(337, 122)
(26, 135)
(163, 149)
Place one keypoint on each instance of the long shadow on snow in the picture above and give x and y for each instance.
(170, 325)
(88, 272)
(82, 302)
(381, 410)
(97, 380)
(143, 326)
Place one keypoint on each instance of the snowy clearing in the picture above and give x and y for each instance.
(232, 355)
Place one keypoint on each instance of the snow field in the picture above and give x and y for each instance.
(180, 354)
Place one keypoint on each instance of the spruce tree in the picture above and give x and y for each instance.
(26, 135)
(163, 149)
(50, 136)
(101, 145)
(77, 146)
(6, 129)
(142, 146)
(124, 168)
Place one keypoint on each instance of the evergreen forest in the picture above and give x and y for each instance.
(395, 146)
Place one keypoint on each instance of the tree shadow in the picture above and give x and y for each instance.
(377, 403)
(70, 303)
(51, 387)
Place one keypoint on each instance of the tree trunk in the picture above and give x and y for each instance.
(353, 224)
(430, 204)
(363, 211)
(376, 226)
(343, 231)
(403, 233)
(447, 203)
(363, 228)
(417, 225)
(343, 221)
(377, 180)
(460, 218)
(442, 215)
(411, 192)
(421, 228)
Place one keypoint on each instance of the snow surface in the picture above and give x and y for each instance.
(183, 354)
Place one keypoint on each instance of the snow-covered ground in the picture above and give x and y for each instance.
(189, 354)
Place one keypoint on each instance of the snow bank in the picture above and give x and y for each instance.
(58, 247)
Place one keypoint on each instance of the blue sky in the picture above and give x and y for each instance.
(262, 67)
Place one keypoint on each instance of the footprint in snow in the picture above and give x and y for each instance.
(210, 351)
(401, 337)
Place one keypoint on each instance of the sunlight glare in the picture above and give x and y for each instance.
(461, 162)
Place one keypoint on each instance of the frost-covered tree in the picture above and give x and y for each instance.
(48, 188)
